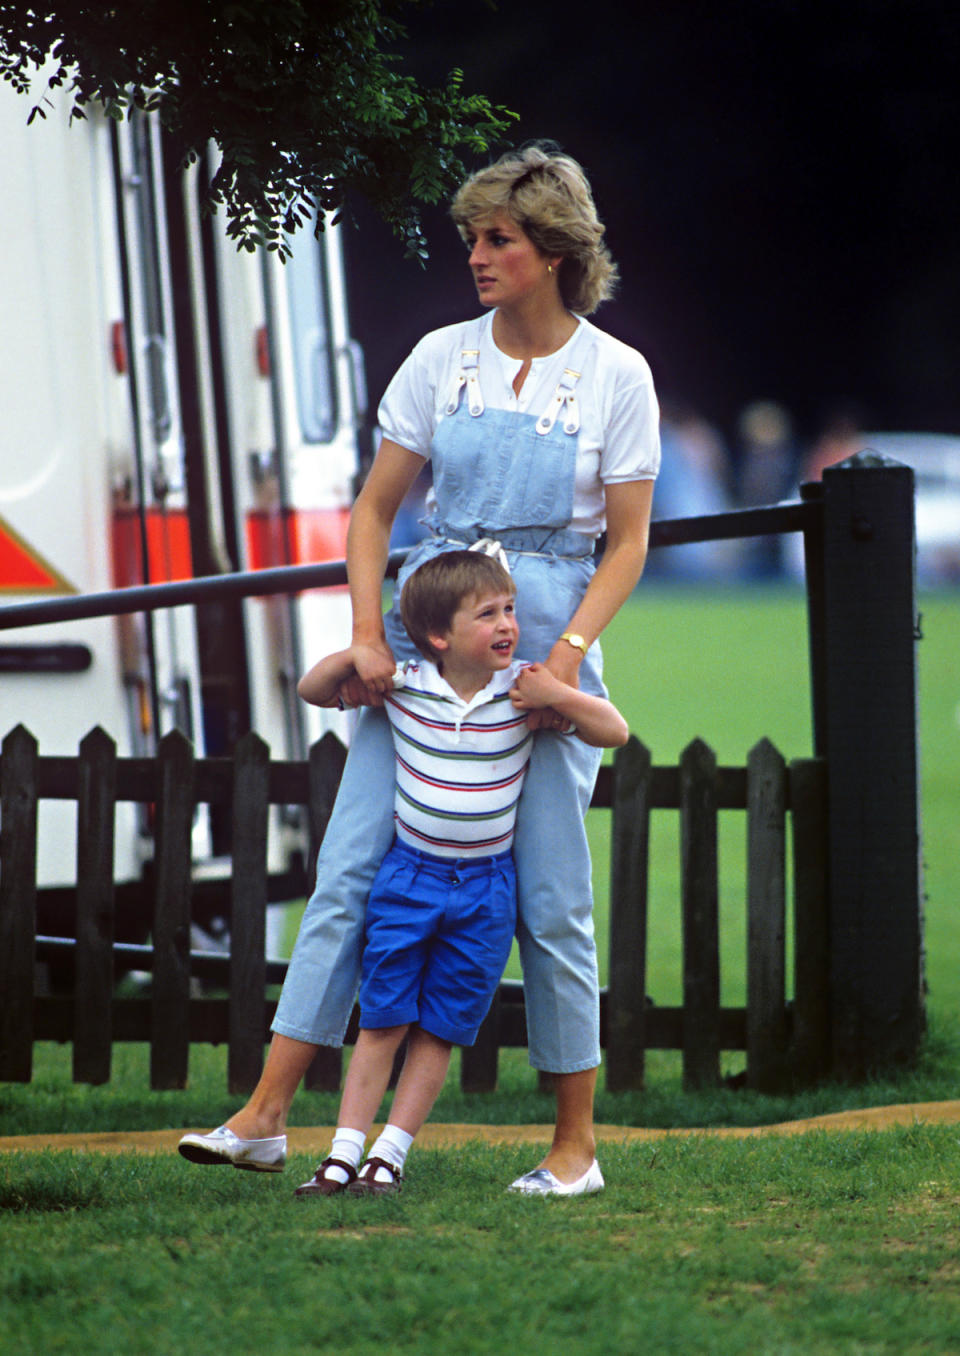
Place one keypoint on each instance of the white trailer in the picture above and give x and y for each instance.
(172, 408)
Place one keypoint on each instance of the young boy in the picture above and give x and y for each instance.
(442, 909)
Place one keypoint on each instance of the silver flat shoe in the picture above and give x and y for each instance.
(541, 1182)
(223, 1146)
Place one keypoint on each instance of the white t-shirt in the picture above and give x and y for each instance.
(619, 438)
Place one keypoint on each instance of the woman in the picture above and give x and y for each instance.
(543, 433)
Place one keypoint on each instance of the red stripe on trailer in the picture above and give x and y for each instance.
(24, 570)
(296, 536)
(168, 547)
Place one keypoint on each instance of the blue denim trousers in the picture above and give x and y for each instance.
(489, 472)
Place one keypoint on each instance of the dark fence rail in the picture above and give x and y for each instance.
(854, 807)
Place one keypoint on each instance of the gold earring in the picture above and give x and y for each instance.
(549, 268)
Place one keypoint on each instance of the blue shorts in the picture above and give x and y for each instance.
(437, 936)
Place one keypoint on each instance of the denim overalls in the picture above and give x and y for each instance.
(509, 476)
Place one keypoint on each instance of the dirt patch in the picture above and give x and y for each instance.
(316, 1139)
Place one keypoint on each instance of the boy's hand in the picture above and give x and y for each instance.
(534, 690)
(542, 693)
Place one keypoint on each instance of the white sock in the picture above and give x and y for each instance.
(392, 1144)
(348, 1148)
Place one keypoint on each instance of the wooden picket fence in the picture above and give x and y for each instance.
(786, 1043)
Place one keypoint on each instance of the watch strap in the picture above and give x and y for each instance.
(576, 641)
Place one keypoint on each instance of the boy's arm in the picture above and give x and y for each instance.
(321, 685)
(597, 721)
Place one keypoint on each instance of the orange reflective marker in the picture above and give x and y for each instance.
(24, 570)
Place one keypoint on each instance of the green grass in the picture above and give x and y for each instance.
(843, 1243)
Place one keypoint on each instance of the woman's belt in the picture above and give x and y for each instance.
(558, 543)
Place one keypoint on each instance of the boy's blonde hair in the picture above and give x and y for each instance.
(548, 195)
(437, 589)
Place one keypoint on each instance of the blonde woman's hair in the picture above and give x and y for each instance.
(438, 588)
(548, 195)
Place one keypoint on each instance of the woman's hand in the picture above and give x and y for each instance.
(375, 666)
(564, 662)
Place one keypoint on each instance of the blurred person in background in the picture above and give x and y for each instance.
(696, 478)
(767, 471)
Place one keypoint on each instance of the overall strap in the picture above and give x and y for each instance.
(565, 396)
(468, 374)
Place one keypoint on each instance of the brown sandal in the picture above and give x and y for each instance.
(322, 1185)
(366, 1183)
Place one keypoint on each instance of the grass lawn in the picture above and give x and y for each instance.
(843, 1243)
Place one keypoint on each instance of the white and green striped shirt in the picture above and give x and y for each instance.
(460, 765)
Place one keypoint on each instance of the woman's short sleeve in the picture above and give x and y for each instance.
(409, 412)
(631, 446)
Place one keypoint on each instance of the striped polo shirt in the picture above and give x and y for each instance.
(460, 765)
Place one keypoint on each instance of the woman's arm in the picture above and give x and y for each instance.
(628, 506)
(368, 545)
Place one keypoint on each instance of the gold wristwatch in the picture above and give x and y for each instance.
(576, 641)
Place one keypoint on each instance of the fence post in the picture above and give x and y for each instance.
(701, 924)
(327, 758)
(813, 564)
(479, 1062)
(629, 876)
(870, 731)
(766, 917)
(248, 892)
(93, 983)
(18, 903)
(810, 1044)
(170, 1021)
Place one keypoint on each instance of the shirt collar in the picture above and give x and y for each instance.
(433, 681)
